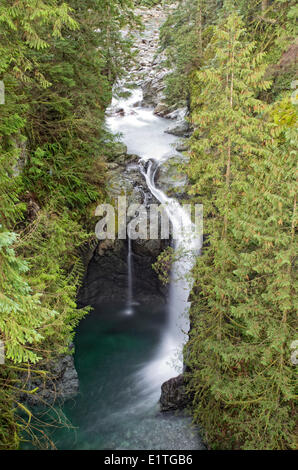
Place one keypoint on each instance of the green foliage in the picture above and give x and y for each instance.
(163, 264)
(65, 129)
(58, 61)
(66, 180)
(147, 3)
(22, 315)
(242, 169)
(184, 37)
(272, 25)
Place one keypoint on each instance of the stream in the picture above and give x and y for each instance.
(143, 133)
(125, 351)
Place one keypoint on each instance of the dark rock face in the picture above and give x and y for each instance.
(173, 394)
(61, 384)
(86, 251)
(107, 275)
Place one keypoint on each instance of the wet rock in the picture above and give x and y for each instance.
(60, 384)
(106, 277)
(153, 89)
(127, 181)
(180, 129)
(159, 60)
(178, 114)
(151, 248)
(127, 158)
(161, 109)
(119, 112)
(112, 166)
(169, 178)
(182, 146)
(173, 394)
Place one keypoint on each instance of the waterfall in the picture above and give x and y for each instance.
(129, 300)
(187, 245)
(144, 134)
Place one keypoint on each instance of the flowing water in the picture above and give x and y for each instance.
(124, 352)
(116, 409)
(144, 135)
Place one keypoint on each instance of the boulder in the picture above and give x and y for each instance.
(173, 394)
(112, 166)
(182, 146)
(61, 383)
(180, 129)
(153, 89)
(168, 177)
(137, 104)
(127, 158)
(178, 114)
(127, 181)
(161, 109)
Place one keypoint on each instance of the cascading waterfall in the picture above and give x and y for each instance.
(143, 134)
(129, 301)
(187, 244)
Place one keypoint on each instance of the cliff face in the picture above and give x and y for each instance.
(106, 277)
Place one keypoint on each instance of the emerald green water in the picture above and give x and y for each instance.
(117, 407)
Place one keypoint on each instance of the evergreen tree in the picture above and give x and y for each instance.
(242, 314)
(58, 63)
(22, 30)
(184, 37)
(21, 314)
